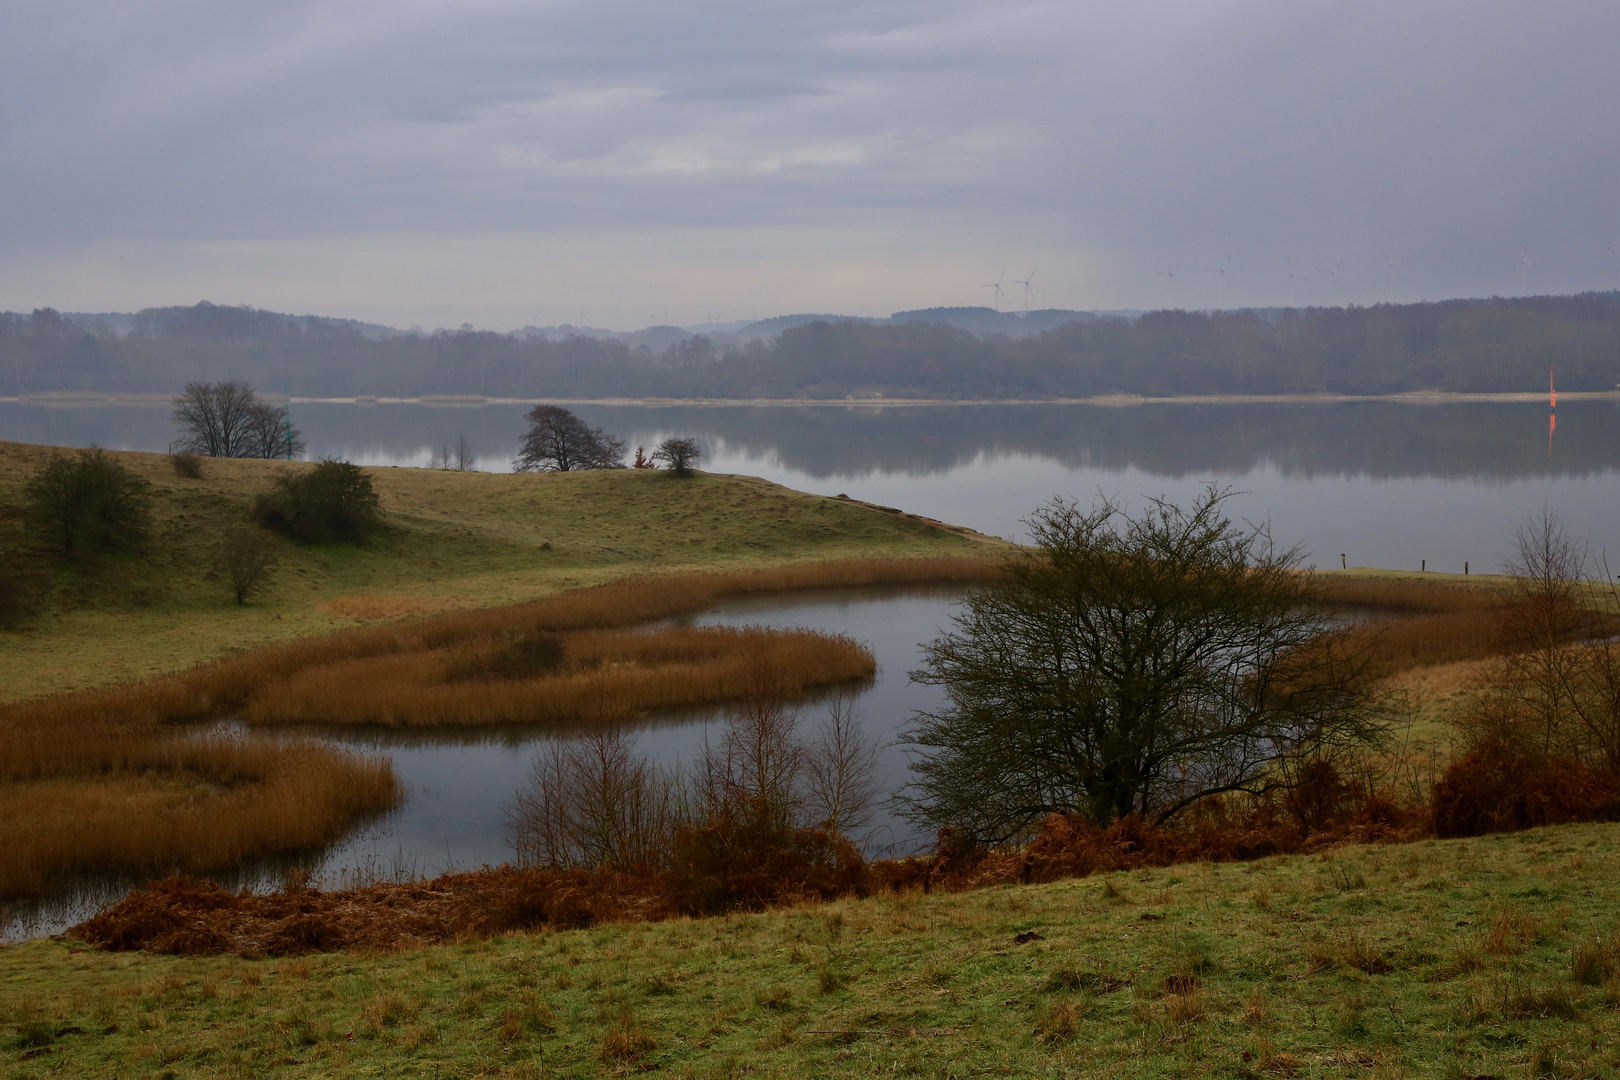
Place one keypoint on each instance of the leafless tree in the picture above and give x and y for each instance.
(457, 458)
(245, 556)
(840, 770)
(559, 441)
(273, 435)
(1534, 678)
(227, 419)
(679, 454)
(592, 802)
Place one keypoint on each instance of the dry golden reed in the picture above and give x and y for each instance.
(609, 676)
(104, 783)
(184, 804)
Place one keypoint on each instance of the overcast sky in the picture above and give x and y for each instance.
(501, 163)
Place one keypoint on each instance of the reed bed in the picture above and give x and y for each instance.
(1401, 644)
(1407, 594)
(182, 805)
(608, 676)
(102, 780)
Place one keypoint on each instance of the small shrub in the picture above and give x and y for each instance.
(1511, 933)
(333, 501)
(186, 464)
(517, 656)
(678, 454)
(1060, 1024)
(88, 500)
(1593, 961)
(625, 1040)
(245, 558)
(1185, 1009)
(829, 980)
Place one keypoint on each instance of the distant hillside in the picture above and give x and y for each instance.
(1494, 345)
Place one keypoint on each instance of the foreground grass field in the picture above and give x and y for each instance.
(1472, 958)
(452, 541)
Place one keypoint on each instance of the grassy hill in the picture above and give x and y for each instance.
(452, 540)
(1471, 958)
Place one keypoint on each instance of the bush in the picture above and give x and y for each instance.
(245, 557)
(679, 454)
(89, 500)
(332, 501)
(1502, 787)
(186, 464)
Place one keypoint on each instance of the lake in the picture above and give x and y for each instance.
(1386, 484)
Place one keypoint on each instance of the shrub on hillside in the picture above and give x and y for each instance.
(88, 501)
(332, 501)
(1500, 786)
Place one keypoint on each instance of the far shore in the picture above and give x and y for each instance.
(1414, 397)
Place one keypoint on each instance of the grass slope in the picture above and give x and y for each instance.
(1443, 958)
(453, 540)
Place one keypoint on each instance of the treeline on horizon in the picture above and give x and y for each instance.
(1479, 346)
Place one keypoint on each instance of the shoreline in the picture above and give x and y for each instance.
(1411, 397)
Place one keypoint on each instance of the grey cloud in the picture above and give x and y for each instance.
(1121, 139)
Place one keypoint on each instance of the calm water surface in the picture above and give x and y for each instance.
(1386, 484)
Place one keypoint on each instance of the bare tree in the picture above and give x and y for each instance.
(840, 770)
(679, 454)
(1535, 677)
(273, 435)
(457, 458)
(559, 441)
(227, 419)
(592, 802)
(245, 556)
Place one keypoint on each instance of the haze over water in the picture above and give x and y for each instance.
(1387, 484)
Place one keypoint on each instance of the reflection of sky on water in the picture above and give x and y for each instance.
(1388, 484)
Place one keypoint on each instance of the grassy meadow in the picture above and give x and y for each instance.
(452, 541)
(1466, 958)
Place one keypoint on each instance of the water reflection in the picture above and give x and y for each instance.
(1390, 484)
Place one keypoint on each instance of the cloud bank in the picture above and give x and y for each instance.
(611, 162)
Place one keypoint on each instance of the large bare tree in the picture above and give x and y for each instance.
(559, 441)
(1131, 665)
(227, 419)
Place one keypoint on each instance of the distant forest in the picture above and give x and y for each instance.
(1455, 345)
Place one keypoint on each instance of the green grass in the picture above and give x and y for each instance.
(452, 540)
(1447, 959)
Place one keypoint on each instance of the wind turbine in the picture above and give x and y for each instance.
(1290, 281)
(1616, 255)
(1027, 290)
(996, 285)
(1393, 265)
(1524, 272)
(1333, 273)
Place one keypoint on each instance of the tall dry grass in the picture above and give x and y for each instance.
(608, 676)
(183, 804)
(101, 781)
(1407, 594)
